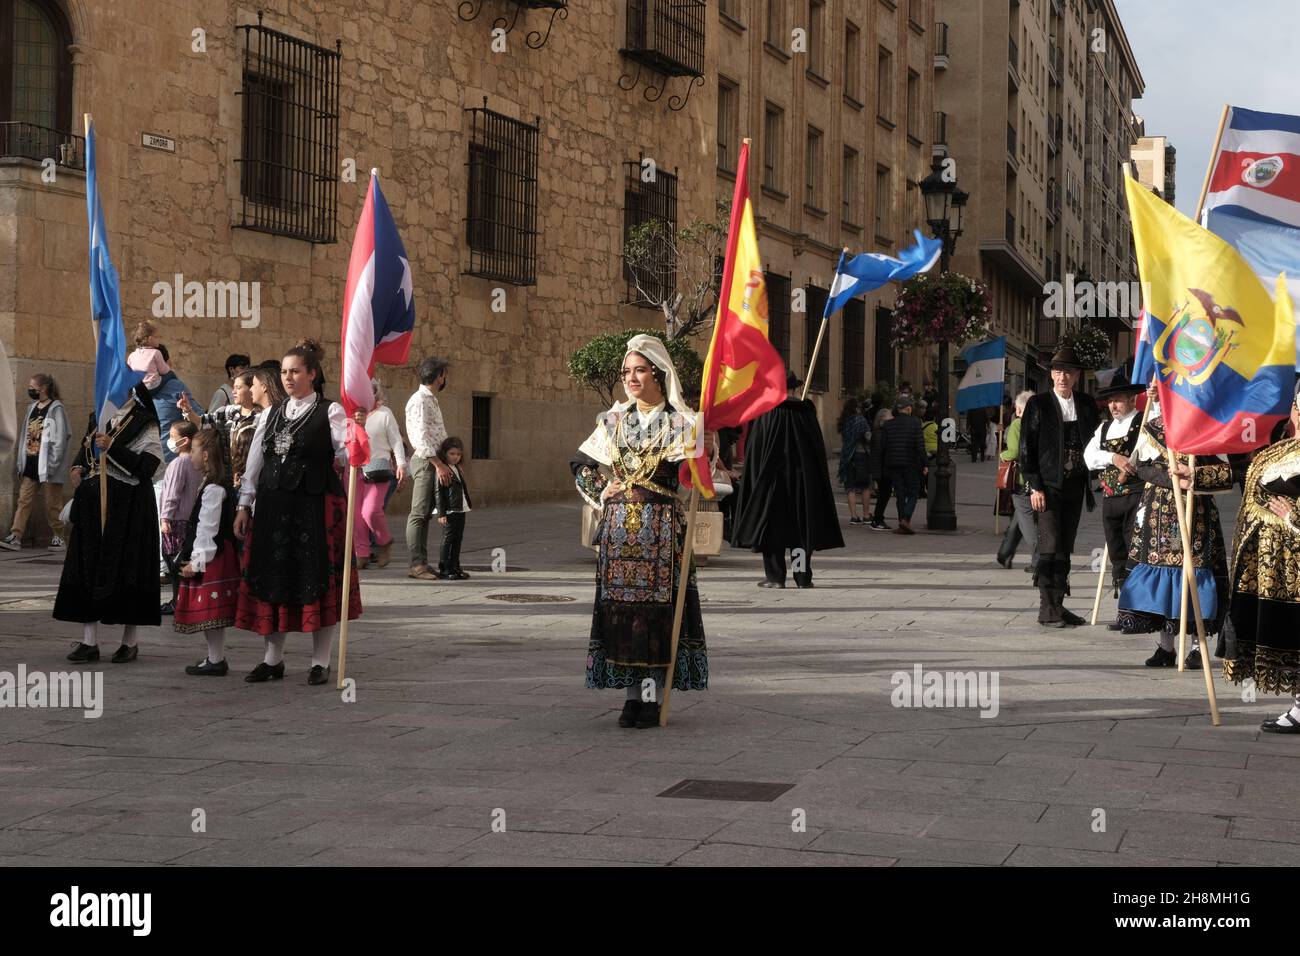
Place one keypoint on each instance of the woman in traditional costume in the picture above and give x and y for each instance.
(628, 469)
(1261, 639)
(110, 573)
(295, 565)
(1151, 597)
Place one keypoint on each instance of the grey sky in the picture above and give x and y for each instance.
(1196, 55)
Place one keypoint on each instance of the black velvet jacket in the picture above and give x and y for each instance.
(1042, 435)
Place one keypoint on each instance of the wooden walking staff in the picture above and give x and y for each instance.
(680, 604)
(347, 574)
(1189, 573)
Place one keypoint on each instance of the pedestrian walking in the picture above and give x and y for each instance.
(855, 459)
(425, 428)
(1024, 522)
(882, 488)
(387, 467)
(902, 461)
(453, 504)
(977, 423)
(42, 461)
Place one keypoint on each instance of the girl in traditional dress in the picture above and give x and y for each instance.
(110, 575)
(628, 469)
(1261, 639)
(1150, 599)
(295, 565)
(209, 558)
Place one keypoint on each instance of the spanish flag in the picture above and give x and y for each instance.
(1224, 352)
(743, 374)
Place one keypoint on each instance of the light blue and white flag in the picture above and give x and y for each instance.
(986, 370)
(870, 270)
(113, 379)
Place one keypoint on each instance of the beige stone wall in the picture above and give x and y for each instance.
(409, 69)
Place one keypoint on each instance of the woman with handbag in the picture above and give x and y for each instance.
(855, 461)
(387, 464)
(1024, 524)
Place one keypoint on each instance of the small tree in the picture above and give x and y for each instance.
(598, 364)
(678, 272)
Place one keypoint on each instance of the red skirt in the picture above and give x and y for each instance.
(263, 617)
(208, 601)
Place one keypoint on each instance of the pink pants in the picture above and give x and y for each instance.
(370, 517)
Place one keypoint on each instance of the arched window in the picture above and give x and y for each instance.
(35, 65)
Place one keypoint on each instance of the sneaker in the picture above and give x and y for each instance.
(876, 525)
(1193, 660)
(856, 521)
(1162, 658)
(11, 542)
(57, 543)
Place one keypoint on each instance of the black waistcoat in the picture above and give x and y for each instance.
(225, 528)
(308, 465)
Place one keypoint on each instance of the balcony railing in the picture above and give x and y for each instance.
(1013, 54)
(940, 128)
(666, 35)
(1047, 332)
(39, 143)
(940, 40)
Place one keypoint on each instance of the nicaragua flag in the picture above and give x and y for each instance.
(982, 385)
(113, 379)
(378, 311)
(871, 270)
(1224, 352)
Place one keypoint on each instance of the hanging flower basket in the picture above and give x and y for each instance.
(1090, 344)
(932, 309)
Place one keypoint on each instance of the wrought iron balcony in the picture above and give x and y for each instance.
(39, 143)
(941, 46)
(666, 35)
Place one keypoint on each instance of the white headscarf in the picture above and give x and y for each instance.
(599, 445)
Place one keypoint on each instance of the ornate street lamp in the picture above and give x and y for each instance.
(944, 204)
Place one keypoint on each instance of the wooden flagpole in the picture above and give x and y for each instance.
(1186, 583)
(98, 454)
(1209, 170)
(347, 573)
(821, 334)
(680, 605)
(1189, 574)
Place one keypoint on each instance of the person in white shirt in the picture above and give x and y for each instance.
(1110, 451)
(387, 466)
(1053, 433)
(296, 565)
(426, 431)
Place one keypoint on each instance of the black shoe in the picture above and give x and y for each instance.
(876, 525)
(84, 653)
(631, 709)
(805, 584)
(318, 675)
(1275, 727)
(264, 672)
(1162, 658)
(1056, 624)
(1072, 619)
(442, 575)
(168, 608)
(648, 716)
(1114, 626)
(855, 521)
(458, 575)
(1005, 562)
(770, 584)
(125, 655)
(205, 668)
(1193, 660)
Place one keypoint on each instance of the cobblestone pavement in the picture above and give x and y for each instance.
(471, 710)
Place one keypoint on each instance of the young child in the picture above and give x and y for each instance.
(451, 506)
(179, 491)
(147, 358)
(209, 559)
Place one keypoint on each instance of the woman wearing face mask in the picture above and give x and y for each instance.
(42, 461)
(295, 560)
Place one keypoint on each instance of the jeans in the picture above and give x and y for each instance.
(424, 479)
(1022, 527)
(906, 483)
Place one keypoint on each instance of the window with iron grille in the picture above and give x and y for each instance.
(813, 169)
(728, 114)
(820, 377)
(501, 206)
(852, 68)
(289, 153)
(778, 314)
(854, 352)
(36, 83)
(649, 229)
(883, 199)
(773, 136)
(481, 427)
(849, 213)
(816, 36)
(666, 35)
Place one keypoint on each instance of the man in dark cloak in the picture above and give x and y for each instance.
(785, 501)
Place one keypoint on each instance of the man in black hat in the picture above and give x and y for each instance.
(785, 499)
(1053, 433)
(1110, 452)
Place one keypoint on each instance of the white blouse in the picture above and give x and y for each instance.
(294, 409)
(205, 537)
(385, 436)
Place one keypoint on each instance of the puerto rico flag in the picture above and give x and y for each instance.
(378, 311)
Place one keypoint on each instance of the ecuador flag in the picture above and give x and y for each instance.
(1224, 352)
(743, 374)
